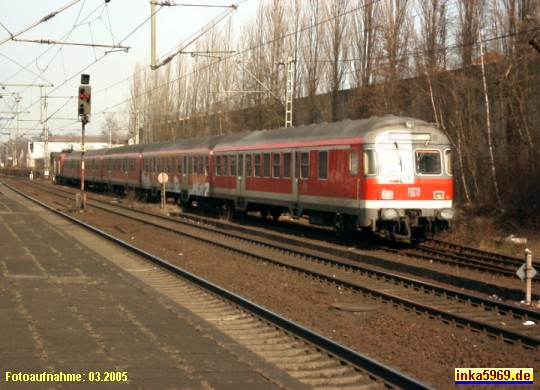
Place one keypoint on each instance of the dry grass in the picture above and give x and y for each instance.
(489, 233)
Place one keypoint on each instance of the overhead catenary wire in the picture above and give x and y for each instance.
(248, 49)
(42, 20)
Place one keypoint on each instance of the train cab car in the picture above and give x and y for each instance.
(187, 166)
(388, 175)
(122, 167)
(407, 179)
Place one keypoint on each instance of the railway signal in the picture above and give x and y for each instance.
(84, 106)
(85, 100)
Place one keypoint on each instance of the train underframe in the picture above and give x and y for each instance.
(405, 226)
(410, 225)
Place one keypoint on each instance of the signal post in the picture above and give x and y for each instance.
(84, 108)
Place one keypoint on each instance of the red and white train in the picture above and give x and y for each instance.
(387, 175)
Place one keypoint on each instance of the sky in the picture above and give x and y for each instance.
(81, 23)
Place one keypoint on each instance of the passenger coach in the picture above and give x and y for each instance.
(389, 175)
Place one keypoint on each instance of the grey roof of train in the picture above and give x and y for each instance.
(338, 130)
(324, 131)
(185, 144)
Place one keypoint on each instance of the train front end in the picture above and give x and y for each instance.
(408, 181)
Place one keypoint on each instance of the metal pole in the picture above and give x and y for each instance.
(528, 276)
(289, 92)
(153, 35)
(17, 133)
(46, 158)
(137, 119)
(83, 196)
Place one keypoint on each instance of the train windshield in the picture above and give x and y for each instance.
(428, 162)
(395, 161)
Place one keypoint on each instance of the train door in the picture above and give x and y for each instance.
(185, 173)
(240, 182)
(184, 178)
(153, 176)
(109, 164)
(126, 172)
(295, 181)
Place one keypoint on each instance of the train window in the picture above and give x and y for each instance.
(266, 164)
(249, 166)
(206, 165)
(257, 163)
(232, 161)
(224, 165)
(287, 165)
(195, 164)
(304, 165)
(448, 161)
(240, 165)
(323, 165)
(218, 166)
(276, 165)
(370, 162)
(179, 164)
(395, 161)
(428, 162)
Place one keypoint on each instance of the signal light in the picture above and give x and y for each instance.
(84, 106)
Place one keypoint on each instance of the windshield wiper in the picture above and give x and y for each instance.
(399, 155)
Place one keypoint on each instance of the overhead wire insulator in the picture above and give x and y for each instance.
(166, 60)
(49, 17)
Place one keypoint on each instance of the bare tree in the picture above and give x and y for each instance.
(363, 45)
(112, 129)
(309, 65)
(336, 53)
(432, 34)
(468, 28)
(396, 34)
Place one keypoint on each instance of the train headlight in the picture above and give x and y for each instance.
(389, 214)
(446, 214)
(387, 194)
(438, 194)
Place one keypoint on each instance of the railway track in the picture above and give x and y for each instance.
(341, 248)
(491, 317)
(461, 256)
(313, 359)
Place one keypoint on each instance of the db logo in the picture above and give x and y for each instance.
(414, 192)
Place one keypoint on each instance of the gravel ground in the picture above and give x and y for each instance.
(425, 349)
